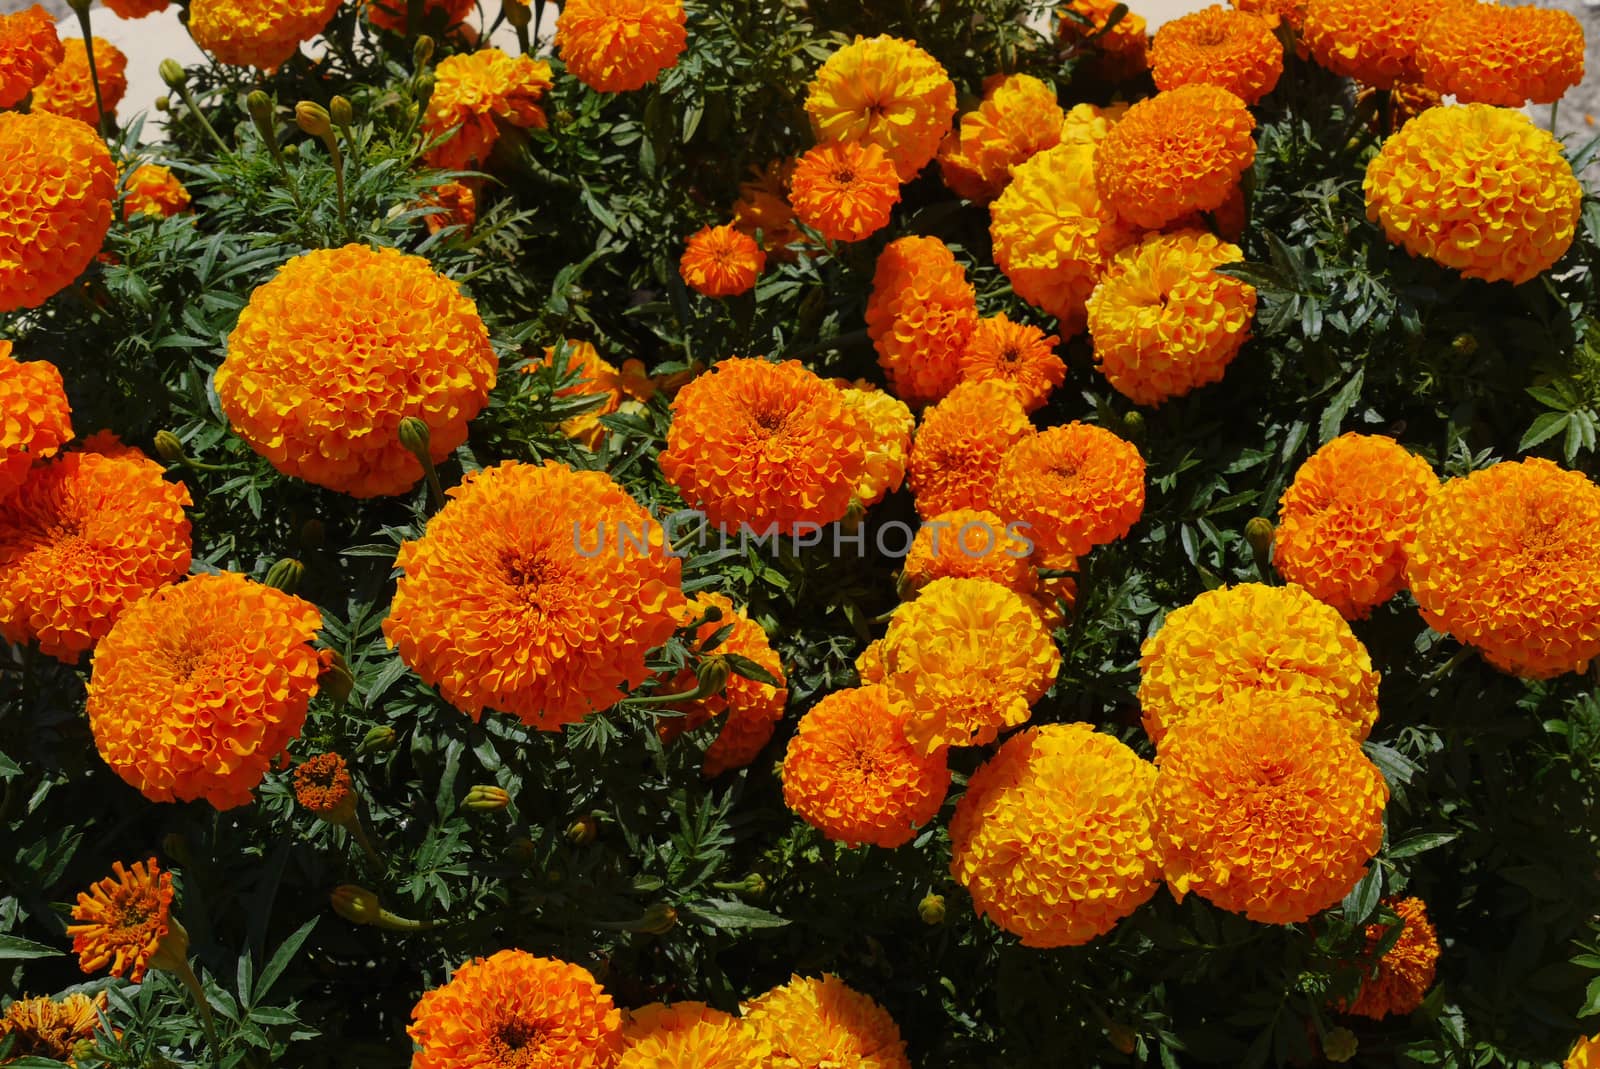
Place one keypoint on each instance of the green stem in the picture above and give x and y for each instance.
(1451, 665)
(358, 832)
(81, 8)
(205, 123)
(185, 974)
(1555, 106)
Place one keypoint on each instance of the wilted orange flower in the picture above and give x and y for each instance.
(1398, 981)
(887, 92)
(512, 1008)
(68, 90)
(958, 450)
(1075, 486)
(721, 261)
(29, 48)
(1494, 54)
(123, 919)
(844, 191)
(35, 419)
(887, 424)
(1233, 50)
(1477, 188)
(153, 190)
(822, 1021)
(476, 90)
(1372, 41)
(391, 14)
(454, 204)
(319, 386)
(1019, 354)
(616, 45)
(969, 544)
(758, 443)
(323, 785)
(690, 1035)
(1055, 835)
(1292, 12)
(1267, 807)
(58, 182)
(44, 1028)
(1506, 559)
(596, 378)
(763, 211)
(1178, 152)
(920, 317)
(257, 33)
(1344, 522)
(1122, 50)
(1163, 321)
(1585, 1054)
(1018, 119)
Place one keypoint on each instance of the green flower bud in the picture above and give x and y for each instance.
(482, 798)
(659, 919)
(712, 675)
(169, 448)
(172, 73)
(337, 681)
(422, 51)
(355, 904)
(415, 436)
(931, 909)
(286, 575)
(1133, 426)
(1340, 1045)
(163, 103)
(313, 118)
(1464, 345)
(340, 110)
(1258, 532)
(583, 831)
(379, 739)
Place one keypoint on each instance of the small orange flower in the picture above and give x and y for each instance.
(45, 1028)
(123, 919)
(59, 183)
(1075, 486)
(613, 46)
(1019, 354)
(888, 425)
(1585, 1054)
(29, 48)
(969, 544)
(257, 33)
(1018, 119)
(151, 189)
(454, 204)
(813, 1022)
(35, 419)
(473, 91)
(845, 191)
(1233, 50)
(67, 89)
(721, 261)
(887, 92)
(1398, 981)
(959, 448)
(869, 665)
(323, 785)
(920, 317)
(1180, 151)
(391, 14)
(1495, 54)
(690, 1035)
(1372, 41)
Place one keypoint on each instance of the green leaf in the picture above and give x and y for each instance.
(1362, 901)
(728, 914)
(1338, 408)
(16, 948)
(282, 957)
(1418, 844)
(744, 666)
(1591, 999)
(1544, 428)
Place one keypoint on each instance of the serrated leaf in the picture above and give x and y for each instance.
(1338, 408)
(1421, 843)
(16, 948)
(728, 914)
(1544, 428)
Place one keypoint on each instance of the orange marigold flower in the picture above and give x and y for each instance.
(1163, 321)
(35, 419)
(816, 1021)
(1180, 151)
(613, 46)
(1585, 1054)
(44, 1028)
(1267, 807)
(1075, 486)
(596, 378)
(67, 89)
(512, 1008)
(941, 658)
(1372, 41)
(1018, 119)
(123, 919)
(721, 261)
(319, 387)
(1055, 835)
(59, 183)
(1398, 981)
(907, 271)
(1088, 124)
(323, 785)
(969, 544)
(453, 204)
(887, 424)
(1344, 522)
(762, 210)
(257, 33)
(29, 47)
(1233, 50)
(959, 448)
(136, 9)
(869, 665)
(473, 91)
(887, 92)
(83, 538)
(1477, 188)
(920, 317)
(845, 191)
(151, 189)
(1272, 12)
(1493, 54)
(1122, 50)
(758, 443)
(1506, 559)
(1018, 354)
(690, 1035)
(234, 667)
(441, 14)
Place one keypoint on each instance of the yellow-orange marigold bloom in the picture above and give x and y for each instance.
(152, 189)
(257, 33)
(513, 1008)
(391, 14)
(1506, 559)
(44, 1028)
(940, 657)
(1178, 152)
(969, 544)
(1018, 119)
(1055, 835)
(1344, 522)
(1477, 188)
(1292, 12)
(1233, 50)
(1495, 54)
(597, 377)
(136, 9)
(122, 919)
(920, 316)
(67, 89)
(1163, 321)
(1398, 981)
(1019, 354)
(35, 419)
(537, 590)
(613, 46)
(758, 443)
(887, 92)
(823, 1021)
(844, 191)
(720, 261)
(1585, 1054)
(869, 665)
(959, 448)
(84, 537)
(1267, 807)
(1075, 486)
(907, 270)
(29, 47)
(1372, 41)
(454, 204)
(200, 687)
(1088, 124)
(850, 773)
(1122, 50)
(474, 91)
(57, 183)
(763, 209)
(690, 1035)
(887, 424)
(319, 387)
(323, 785)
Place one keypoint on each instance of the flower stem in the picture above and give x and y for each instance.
(205, 123)
(185, 974)
(81, 9)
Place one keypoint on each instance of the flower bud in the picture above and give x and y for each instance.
(659, 919)
(355, 904)
(931, 909)
(262, 113)
(313, 118)
(379, 739)
(482, 798)
(712, 675)
(1339, 1045)
(336, 680)
(169, 448)
(415, 436)
(1463, 345)
(163, 103)
(518, 14)
(1258, 532)
(286, 575)
(754, 886)
(172, 73)
(340, 111)
(172, 952)
(1122, 1037)
(422, 51)
(583, 831)
(424, 84)
(1133, 426)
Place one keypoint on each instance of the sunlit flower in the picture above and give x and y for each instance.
(57, 183)
(68, 89)
(1180, 151)
(869, 665)
(1233, 50)
(151, 189)
(1397, 982)
(887, 92)
(844, 191)
(1292, 12)
(613, 46)
(122, 919)
(1496, 54)
(1018, 354)
(812, 1022)
(690, 1035)
(1372, 41)
(1018, 119)
(970, 544)
(887, 424)
(45, 1028)
(1122, 49)
(257, 33)
(1088, 124)
(959, 448)
(1076, 487)
(476, 91)
(35, 419)
(920, 316)
(29, 48)
(720, 261)
(1585, 1054)
(391, 14)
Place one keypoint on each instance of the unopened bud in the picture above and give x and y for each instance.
(379, 739)
(422, 51)
(414, 435)
(172, 951)
(1464, 345)
(163, 103)
(262, 113)
(755, 886)
(355, 904)
(583, 831)
(424, 84)
(172, 73)
(712, 675)
(286, 575)
(1258, 532)
(931, 909)
(1340, 1045)
(659, 919)
(337, 681)
(1133, 426)
(340, 111)
(169, 448)
(483, 798)
(1122, 1037)
(313, 118)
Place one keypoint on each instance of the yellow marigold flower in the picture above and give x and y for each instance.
(1233, 50)
(920, 316)
(869, 665)
(758, 443)
(887, 92)
(597, 378)
(454, 204)
(887, 424)
(233, 665)
(35, 419)
(323, 785)
(319, 387)
(1505, 560)
(1075, 486)
(1585, 1054)
(1398, 981)
(153, 190)
(1088, 124)
(969, 544)
(1477, 188)
(475, 91)
(44, 1028)
(721, 261)
(512, 1008)
(257, 33)
(1018, 119)
(616, 45)
(1018, 354)
(960, 445)
(763, 210)
(391, 14)
(845, 191)
(83, 538)
(1292, 12)
(1267, 807)
(1055, 835)
(58, 182)
(1163, 321)
(67, 89)
(690, 1035)
(1372, 41)
(123, 919)
(1493, 54)
(815, 1021)
(1122, 50)
(941, 658)
(1344, 522)
(29, 48)
(1178, 152)
(571, 542)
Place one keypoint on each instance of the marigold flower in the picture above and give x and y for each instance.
(596, 378)
(1344, 522)
(1018, 354)
(1505, 560)
(959, 448)
(319, 387)
(123, 919)
(613, 46)
(887, 425)
(1272, 12)
(67, 89)
(1122, 50)
(1477, 188)
(1372, 41)
(323, 785)
(151, 189)
(869, 665)
(1494, 54)
(454, 204)
(1055, 835)
(1180, 151)
(1585, 1054)
(512, 1008)
(391, 14)
(476, 90)
(970, 544)
(763, 210)
(29, 48)
(690, 1035)
(920, 316)
(57, 183)
(1267, 807)
(721, 261)
(257, 33)
(1233, 50)
(35, 419)
(1075, 486)
(1398, 981)
(758, 443)
(1163, 321)
(887, 92)
(815, 1021)
(1018, 119)
(845, 191)
(44, 1028)
(1088, 124)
